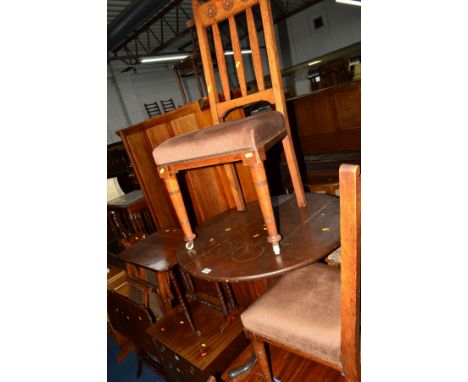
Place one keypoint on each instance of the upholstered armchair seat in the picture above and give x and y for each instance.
(225, 138)
(309, 319)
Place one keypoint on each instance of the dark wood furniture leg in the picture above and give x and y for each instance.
(231, 299)
(183, 303)
(188, 280)
(219, 292)
(139, 367)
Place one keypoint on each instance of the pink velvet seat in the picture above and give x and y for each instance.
(225, 138)
(308, 321)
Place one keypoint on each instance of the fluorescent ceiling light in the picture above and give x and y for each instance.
(350, 2)
(314, 62)
(164, 58)
(243, 51)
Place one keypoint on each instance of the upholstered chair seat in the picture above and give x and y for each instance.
(309, 320)
(225, 138)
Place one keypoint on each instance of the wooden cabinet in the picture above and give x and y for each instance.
(207, 189)
(328, 120)
(190, 358)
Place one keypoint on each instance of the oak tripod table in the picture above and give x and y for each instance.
(231, 247)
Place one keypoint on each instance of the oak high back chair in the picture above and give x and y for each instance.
(247, 139)
(132, 320)
(152, 109)
(168, 105)
(315, 311)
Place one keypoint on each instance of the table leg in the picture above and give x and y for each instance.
(231, 299)
(182, 302)
(229, 314)
(188, 281)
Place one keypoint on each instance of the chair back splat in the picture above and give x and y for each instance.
(217, 19)
(218, 25)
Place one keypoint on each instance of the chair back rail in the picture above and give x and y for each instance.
(152, 109)
(350, 227)
(130, 319)
(168, 105)
(208, 17)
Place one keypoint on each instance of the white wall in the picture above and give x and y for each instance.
(116, 118)
(150, 83)
(342, 27)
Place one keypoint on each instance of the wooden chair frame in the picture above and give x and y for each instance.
(209, 15)
(350, 226)
(152, 109)
(168, 104)
(132, 320)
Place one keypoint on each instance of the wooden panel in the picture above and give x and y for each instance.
(332, 142)
(208, 187)
(208, 192)
(184, 124)
(348, 109)
(315, 116)
(328, 120)
(159, 133)
(140, 153)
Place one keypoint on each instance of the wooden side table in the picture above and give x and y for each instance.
(157, 254)
(129, 214)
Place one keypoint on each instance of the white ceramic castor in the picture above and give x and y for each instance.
(276, 248)
(189, 245)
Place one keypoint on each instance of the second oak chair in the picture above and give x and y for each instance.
(247, 139)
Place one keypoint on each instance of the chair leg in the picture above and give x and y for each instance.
(139, 366)
(259, 349)
(257, 170)
(294, 171)
(235, 186)
(176, 197)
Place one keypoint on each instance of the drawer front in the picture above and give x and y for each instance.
(178, 368)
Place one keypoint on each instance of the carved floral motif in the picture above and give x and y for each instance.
(211, 12)
(228, 4)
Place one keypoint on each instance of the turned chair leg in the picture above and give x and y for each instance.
(260, 353)
(294, 171)
(176, 197)
(257, 170)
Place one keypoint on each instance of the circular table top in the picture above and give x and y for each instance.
(232, 246)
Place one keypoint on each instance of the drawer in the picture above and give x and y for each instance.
(178, 367)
